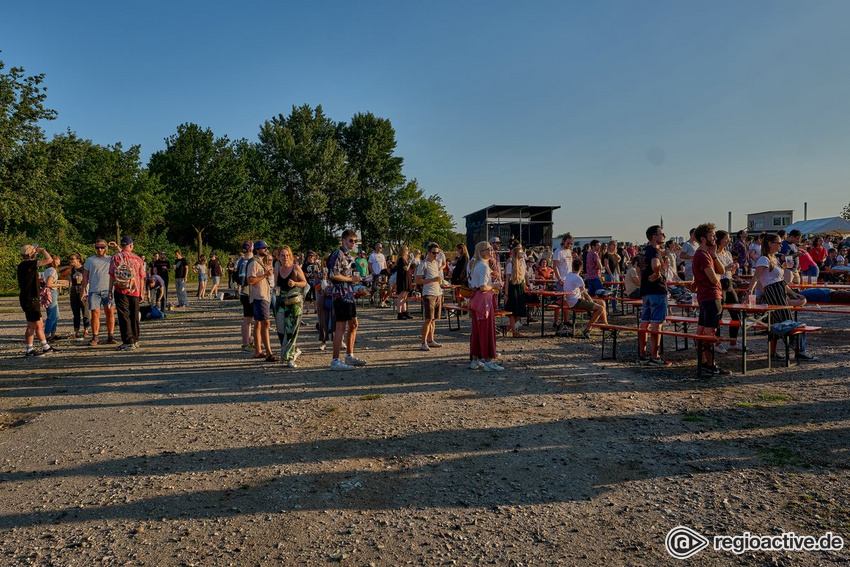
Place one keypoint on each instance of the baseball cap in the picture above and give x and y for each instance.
(495, 239)
(260, 244)
(27, 250)
(126, 241)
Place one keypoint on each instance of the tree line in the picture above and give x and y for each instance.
(304, 179)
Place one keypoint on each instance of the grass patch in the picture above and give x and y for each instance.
(694, 418)
(773, 397)
(783, 457)
(764, 400)
(366, 397)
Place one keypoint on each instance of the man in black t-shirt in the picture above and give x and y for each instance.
(215, 274)
(181, 268)
(29, 297)
(653, 291)
(162, 268)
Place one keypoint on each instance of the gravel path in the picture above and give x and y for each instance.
(189, 452)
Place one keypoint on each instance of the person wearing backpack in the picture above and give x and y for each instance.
(126, 278)
(244, 293)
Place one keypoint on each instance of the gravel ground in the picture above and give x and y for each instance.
(189, 452)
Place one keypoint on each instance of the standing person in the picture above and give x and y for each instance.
(96, 280)
(257, 276)
(310, 268)
(343, 277)
(740, 252)
(708, 269)
(126, 277)
(215, 274)
(77, 295)
(482, 340)
(324, 304)
(727, 286)
(402, 283)
(53, 283)
(162, 268)
(653, 291)
(379, 271)
(245, 292)
(361, 264)
(429, 274)
(200, 268)
(289, 280)
(774, 291)
(790, 255)
(149, 267)
(754, 252)
(496, 268)
(459, 274)
(231, 272)
(29, 297)
(181, 270)
(594, 268)
(689, 247)
(563, 265)
(515, 272)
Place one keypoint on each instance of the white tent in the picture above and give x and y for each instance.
(835, 226)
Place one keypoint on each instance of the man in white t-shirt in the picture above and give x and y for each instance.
(378, 269)
(429, 274)
(687, 252)
(580, 299)
(562, 262)
(96, 280)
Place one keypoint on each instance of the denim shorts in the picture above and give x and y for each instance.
(654, 309)
(100, 300)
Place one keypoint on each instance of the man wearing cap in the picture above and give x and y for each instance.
(29, 297)
(127, 291)
(162, 267)
(181, 268)
(244, 292)
(257, 276)
(96, 280)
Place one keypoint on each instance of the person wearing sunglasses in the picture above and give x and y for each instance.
(96, 280)
(343, 277)
(429, 274)
(653, 291)
(482, 341)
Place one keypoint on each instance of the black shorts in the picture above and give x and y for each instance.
(32, 309)
(344, 311)
(709, 313)
(247, 308)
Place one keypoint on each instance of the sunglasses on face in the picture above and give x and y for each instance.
(100, 247)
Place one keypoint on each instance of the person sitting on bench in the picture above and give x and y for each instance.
(580, 299)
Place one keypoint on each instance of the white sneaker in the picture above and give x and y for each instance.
(720, 348)
(492, 367)
(354, 361)
(343, 346)
(296, 354)
(323, 346)
(425, 347)
(337, 364)
(476, 364)
(291, 364)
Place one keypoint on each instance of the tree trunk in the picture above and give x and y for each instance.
(117, 232)
(200, 240)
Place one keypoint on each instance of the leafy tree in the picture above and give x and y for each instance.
(307, 182)
(416, 219)
(110, 193)
(205, 180)
(26, 195)
(369, 143)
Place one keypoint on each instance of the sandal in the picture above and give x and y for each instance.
(272, 358)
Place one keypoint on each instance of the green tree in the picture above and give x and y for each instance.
(307, 181)
(27, 199)
(416, 219)
(205, 181)
(369, 144)
(110, 193)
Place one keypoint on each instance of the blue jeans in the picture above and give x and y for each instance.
(52, 321)
(593, 285)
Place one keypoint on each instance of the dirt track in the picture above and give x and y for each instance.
(188, 452)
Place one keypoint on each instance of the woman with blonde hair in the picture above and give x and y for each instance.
(482, 345)
(201, 269)
(402, 283)
(516, 271)
(289, 279)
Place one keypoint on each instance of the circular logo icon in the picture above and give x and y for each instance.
(683, 542)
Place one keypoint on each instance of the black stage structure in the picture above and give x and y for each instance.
(530, 225)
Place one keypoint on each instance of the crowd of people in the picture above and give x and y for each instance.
(281, 286)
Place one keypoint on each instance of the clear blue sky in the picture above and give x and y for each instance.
(619, 112)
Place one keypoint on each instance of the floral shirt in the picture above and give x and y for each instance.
(341, 264)
(739, 250)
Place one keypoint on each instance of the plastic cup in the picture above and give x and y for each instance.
(751, 299)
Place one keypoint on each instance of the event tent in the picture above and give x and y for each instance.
(835, 226)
